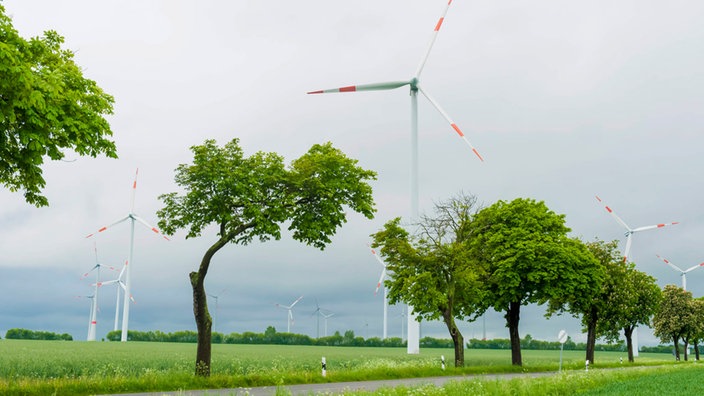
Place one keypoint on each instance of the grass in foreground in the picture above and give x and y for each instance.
(75, 368)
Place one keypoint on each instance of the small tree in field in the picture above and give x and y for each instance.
(432, 271)
(250, 197)
(673, 316)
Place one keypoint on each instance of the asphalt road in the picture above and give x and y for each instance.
(337, 387)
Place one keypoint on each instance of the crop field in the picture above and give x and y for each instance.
(74, 368)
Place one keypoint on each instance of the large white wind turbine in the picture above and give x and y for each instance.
(378, 285)
(93, 323)
(326, 316)
(289, 308)
(414, 84)
(682, 272)
(133, 218)
(630, 231)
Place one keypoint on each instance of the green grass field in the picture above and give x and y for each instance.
(56, 367)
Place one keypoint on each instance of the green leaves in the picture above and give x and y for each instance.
(249, 197)
(46, 107)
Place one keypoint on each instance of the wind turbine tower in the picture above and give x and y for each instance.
(414, 84)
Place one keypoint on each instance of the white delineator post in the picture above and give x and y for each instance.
(324, 366)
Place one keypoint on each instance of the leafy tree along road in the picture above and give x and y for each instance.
(250, 197)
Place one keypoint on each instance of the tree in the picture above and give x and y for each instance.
(528, 258)
(432, 271)
(633, 304)
(46, 106)
(698, 330)
(591, 307)
(673, 316)
(249, 197)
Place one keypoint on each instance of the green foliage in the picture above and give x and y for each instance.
(249, 197)
(47, 106)
(432, 270)
(24, 334)
(528, 258)
(674, 316)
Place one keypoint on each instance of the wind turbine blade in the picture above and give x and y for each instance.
(364, 87)
(608, 209)
(449, 120)
(134, 190)
(154, 229)
(381, 279)
(91, 270)
(666, 261)
(295, 302)
(108, 226)
(694, 267)
(377, 257)
(438, 25)
(655, 226)
(629, 239)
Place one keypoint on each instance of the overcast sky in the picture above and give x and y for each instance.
(565, 100)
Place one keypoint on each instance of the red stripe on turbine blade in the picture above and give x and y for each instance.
(608, 209)
(351, 88)
(94, 322)
(437, 27)
(661, 225)
(102, 229)
(675, 222)
(164, 236)
(314, 92)
(457, 129)
(478, 155)
(155, 230)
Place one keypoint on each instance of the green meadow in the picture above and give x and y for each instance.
(80, 368)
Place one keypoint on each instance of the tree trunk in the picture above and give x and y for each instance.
(686, 347)
(203, 324)
(200, 310)
(591, 336)
(696, 349)
(628, 333)
(457, 338)
(513, 315)
(676, 341)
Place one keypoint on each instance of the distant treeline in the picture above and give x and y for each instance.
(529, 343)
(24, 334)
(272, 337)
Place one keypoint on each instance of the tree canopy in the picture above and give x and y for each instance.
(249, 198)
(529, 258)
(674, 316)
(47, 107)
(431, 270)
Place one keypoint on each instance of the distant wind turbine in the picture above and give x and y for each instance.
(93, 323)
(682, 272)
(289, 308)
(320, 312)
(216, 297)
(128, 284)
(414, 84)
(630, 231)
(378, 285)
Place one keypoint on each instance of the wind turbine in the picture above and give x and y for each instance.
(290, 313)
(326, 316)
(680, 270)
(216, 297)
(93, 323)
(630, 231)
(128, 284)
(378, 285)
(414, 84)
(319, 312)
(91, 316)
